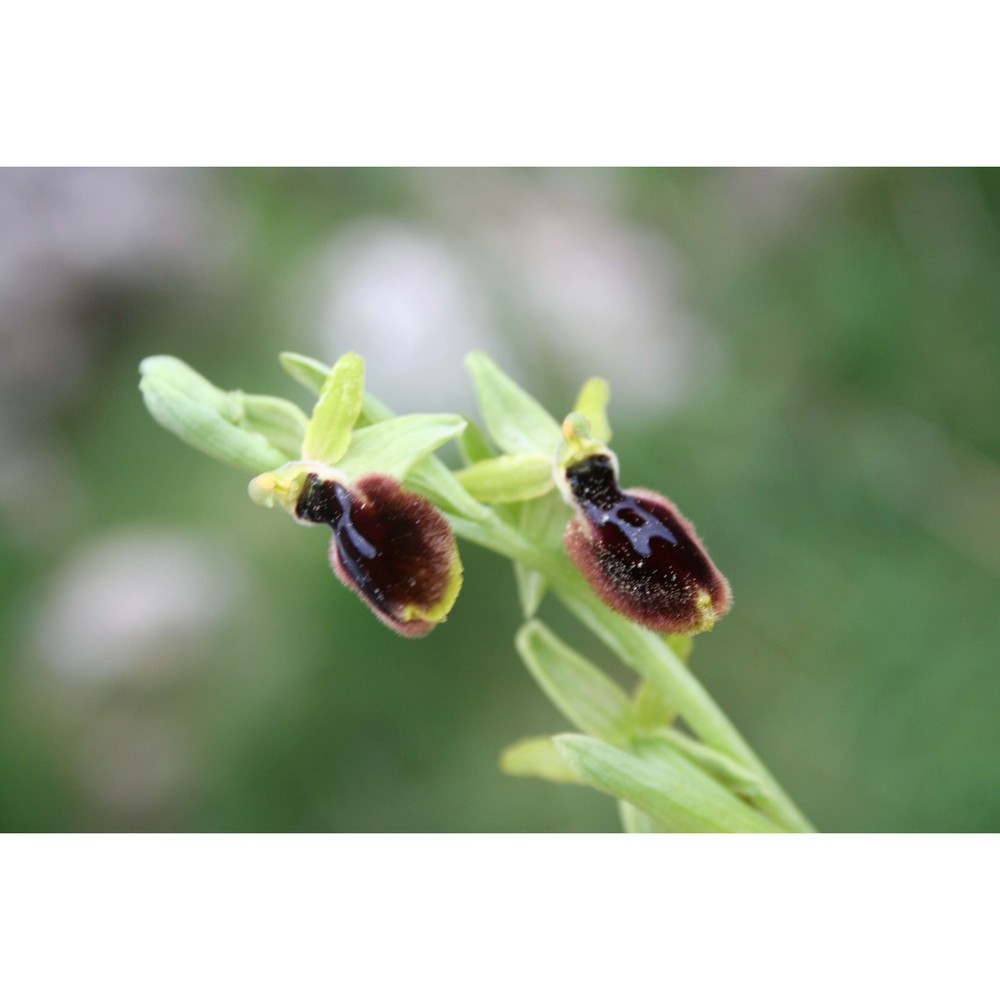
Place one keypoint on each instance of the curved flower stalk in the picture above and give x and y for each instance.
(546, 496)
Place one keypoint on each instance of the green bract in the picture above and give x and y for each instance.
(581, 691)
(538, 757)
(396, 445)
(516, 421)
(508, 478)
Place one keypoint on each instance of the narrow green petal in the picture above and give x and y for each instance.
(575, 686)
(313, 374)
(474, 444)
(306, 371)
(336, 412)
(429, 476)
(516, 421)
(636, 821)
(509, 478)
(537, 757)
(593, 404)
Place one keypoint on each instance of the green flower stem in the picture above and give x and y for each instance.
(645, 652)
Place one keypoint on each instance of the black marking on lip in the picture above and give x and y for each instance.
(637, 551)
(390, 546)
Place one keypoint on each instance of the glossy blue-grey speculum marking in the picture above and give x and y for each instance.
(596, 492)
(328, 502)
(391, 547)
(639, 553)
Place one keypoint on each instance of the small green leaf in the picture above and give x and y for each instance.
(713, 762)
(395, 446)
(509, 478)
(336, 412)
(678, 795)
(704, 767)
(516, 421)
(593, 404)
(575, 686)
(474, 444)
(278, 420)
(531, 588)
(537, 757)
(636, 821)
(203, 416)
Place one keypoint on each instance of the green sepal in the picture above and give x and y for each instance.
(537, 757)
(515, 420)
(394, 446)
(281, 422)
(672, 791)
(204, 416)
(429, 476)
(328, 435)
(592, 402)
(474, 444)
(581, 691)
(509, 478)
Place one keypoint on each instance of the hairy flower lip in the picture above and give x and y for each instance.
(640, 554)
(393, 548)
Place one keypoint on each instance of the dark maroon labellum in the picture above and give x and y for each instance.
(639, 553)
(393, 548)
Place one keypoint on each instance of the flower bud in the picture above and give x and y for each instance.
(393, 548)
(640, 555)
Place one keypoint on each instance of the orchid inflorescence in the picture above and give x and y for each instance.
(543, 493)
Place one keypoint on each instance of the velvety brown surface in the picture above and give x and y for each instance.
(392, 547)
(639, 553)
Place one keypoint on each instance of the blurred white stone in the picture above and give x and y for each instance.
(406, 301)
(540, 269)
(66, 234)
(135, 602)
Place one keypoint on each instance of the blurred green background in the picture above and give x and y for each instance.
(805, 361)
